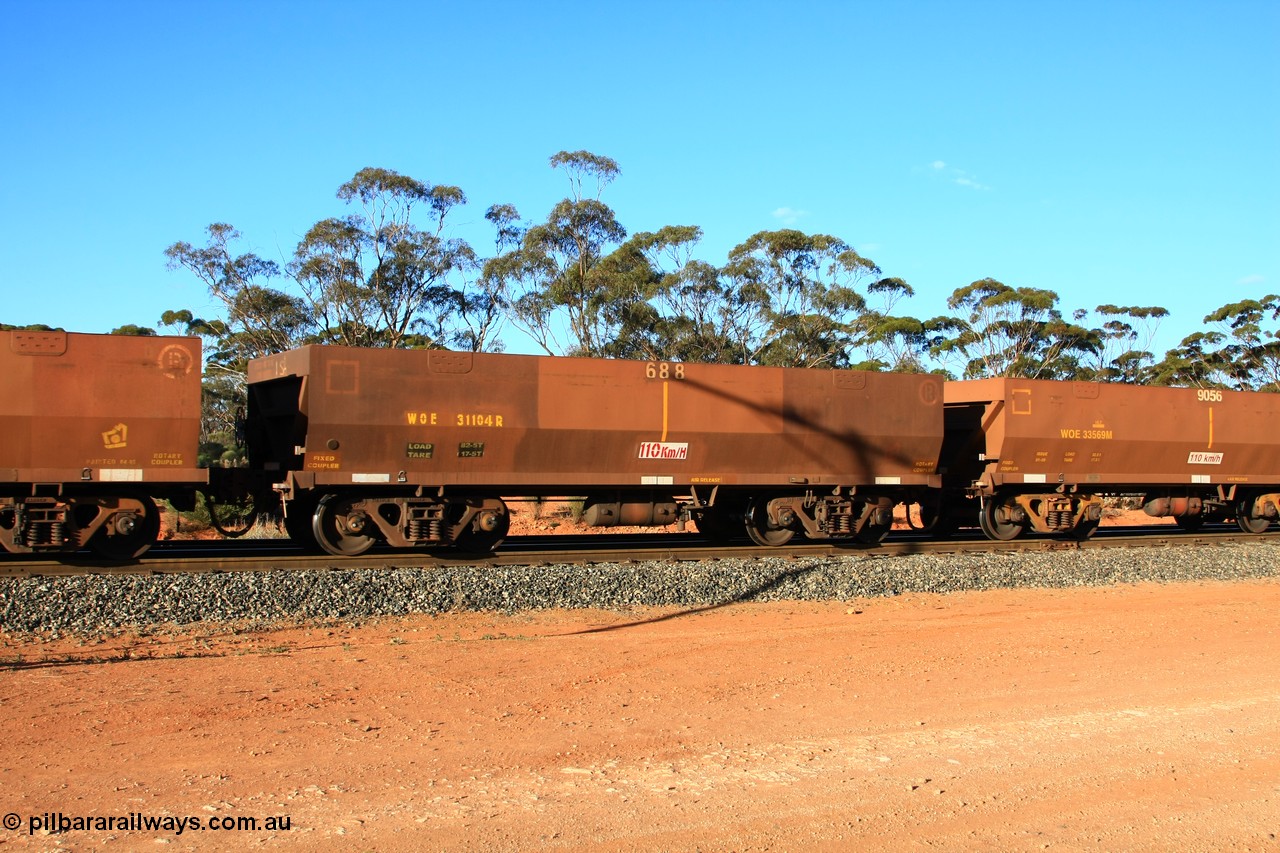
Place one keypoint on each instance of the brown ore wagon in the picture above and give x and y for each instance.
(424, 448)
(1041, 454)
(92, 427)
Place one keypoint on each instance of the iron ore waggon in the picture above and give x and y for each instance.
(426, 449)
(94, 428)
(1040, 455)
(421, 448)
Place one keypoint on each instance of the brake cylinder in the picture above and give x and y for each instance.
(630, 514)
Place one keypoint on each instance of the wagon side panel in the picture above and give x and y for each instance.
(80, 408)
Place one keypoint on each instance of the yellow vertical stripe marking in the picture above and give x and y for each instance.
(664, 411)
(1210, 447)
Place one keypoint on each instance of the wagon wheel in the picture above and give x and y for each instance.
(761, 531)
(995, 524)
(476, 540)
(340, 528)
(1246, 519)
(128, 535)
(1189, 523)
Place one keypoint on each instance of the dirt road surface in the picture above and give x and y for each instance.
(1121, 718)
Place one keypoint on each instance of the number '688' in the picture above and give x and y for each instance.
(663, 370)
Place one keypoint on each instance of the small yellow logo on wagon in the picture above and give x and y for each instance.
(116, 438)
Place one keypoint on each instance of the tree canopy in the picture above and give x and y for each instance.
(387, 269)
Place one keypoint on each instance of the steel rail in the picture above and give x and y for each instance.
(175, 557)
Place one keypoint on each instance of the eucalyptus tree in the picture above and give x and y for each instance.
(259, 319)
(557, 287)
(628, 322)
(481, 308)
(375, 278)
(1252, 350)
(1124, 340)
(1004, 331)
(886, 340)
(222, 409)
(1240, 349)
(386, 274)
(687, 313)
(703, 317)
(1193, 363)
(798, 298)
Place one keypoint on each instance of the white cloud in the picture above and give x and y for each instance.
(789, 215)
(959, 177)
(965, 181)
(1255, 278)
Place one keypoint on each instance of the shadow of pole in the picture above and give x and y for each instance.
(741, 597)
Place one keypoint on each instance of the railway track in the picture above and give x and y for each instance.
(196, 556)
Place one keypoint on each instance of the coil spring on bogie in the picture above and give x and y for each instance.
(1060, 519)
(836, 519)
(426, 529)
(44, 528)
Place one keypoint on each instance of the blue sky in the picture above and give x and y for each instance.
(1114, 152)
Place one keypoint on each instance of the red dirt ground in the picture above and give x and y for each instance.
(1123, 718)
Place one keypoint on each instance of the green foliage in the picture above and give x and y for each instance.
(555, 276)
(688, 314)
(222, 408)
(1004, 331)
(890, 342)
(375, 278)
(1124, 340)
(1190, 364)
(799, 296)
(1250, 357)
(233, 517)
(1241, 350)
(33, 327)
(583, 165)
(388, 273)
(260, 320)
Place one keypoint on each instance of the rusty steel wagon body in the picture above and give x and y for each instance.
(92, 429)
(1040, 454)
(420, 448)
